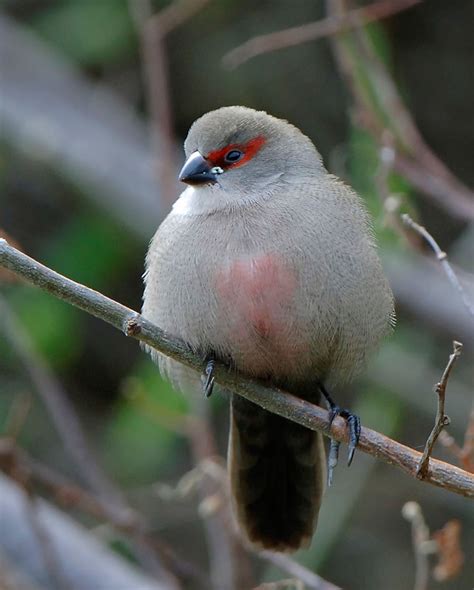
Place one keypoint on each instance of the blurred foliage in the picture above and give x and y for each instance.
(92, 33)
(144, 428)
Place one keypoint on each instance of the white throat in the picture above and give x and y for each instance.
(197, 201)
(213, 197)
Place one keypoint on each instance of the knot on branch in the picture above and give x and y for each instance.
(132, 325)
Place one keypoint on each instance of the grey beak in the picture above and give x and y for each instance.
(197, 170)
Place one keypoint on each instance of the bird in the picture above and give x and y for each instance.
(267, 263)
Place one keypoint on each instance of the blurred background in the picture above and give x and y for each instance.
(96, 98)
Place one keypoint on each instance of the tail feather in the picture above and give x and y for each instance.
(277, 472)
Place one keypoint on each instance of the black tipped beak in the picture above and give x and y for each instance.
(197, 170)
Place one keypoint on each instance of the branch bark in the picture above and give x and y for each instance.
(440, 474)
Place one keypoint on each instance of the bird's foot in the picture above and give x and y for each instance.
(353, 423)
(207, 377)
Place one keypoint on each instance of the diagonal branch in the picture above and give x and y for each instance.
(331, 25)
(440, 474)
(442, 257)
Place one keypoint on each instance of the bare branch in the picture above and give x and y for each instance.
(325, 27)
(274, 400)
(441, 419)
(442, 257)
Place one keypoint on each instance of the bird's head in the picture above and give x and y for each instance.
(236, 154)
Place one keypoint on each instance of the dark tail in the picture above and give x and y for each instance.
(277, 472)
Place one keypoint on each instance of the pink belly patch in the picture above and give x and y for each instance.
(256, 297)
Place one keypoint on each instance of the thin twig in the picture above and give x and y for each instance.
(441, 419)
(309, 578)
(442, 257)
(331, 25)
(440, 474)
(420, 534)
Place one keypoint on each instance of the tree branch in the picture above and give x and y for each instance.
(284, 404)
(441, 419)
(331, 25)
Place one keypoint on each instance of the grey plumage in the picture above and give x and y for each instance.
(273, 269)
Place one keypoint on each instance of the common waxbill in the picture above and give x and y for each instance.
(267, 263)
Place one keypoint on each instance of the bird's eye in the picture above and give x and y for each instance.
(233, 156)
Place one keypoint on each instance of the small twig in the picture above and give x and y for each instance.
(292, 567)
(331, 25)
(279, 402)
(442, 257)
(441, 419)
(422, 546)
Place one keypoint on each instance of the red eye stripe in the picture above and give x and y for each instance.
(249, 150)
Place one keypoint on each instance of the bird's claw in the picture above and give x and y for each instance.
(208, 377)
(353, 423)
